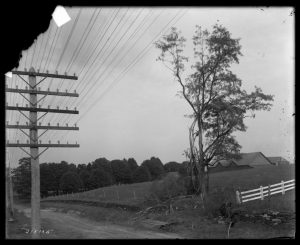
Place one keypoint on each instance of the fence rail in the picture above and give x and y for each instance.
(264, 191)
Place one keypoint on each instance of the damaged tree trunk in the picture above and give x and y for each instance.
(198, 169)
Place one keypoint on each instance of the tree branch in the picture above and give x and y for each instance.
(217, 138)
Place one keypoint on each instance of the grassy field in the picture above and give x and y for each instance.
(222, 182)
(194, 222)
(252, 178)
(229, 182)
(131, 194)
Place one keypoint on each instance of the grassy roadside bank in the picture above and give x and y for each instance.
(189, 223)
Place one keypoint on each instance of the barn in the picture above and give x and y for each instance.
(247, 160)
(253, 159)
(279, 161)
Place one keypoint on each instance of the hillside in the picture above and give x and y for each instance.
(222, 182)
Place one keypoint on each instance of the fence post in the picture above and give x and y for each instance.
(103, 193)
(134, 195)
(118, 195)
(238, 200)
(282, 186)
(269, 195)
(262, 193)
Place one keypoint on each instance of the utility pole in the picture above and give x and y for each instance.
(33, 131)
(9, 190)
(34, 152)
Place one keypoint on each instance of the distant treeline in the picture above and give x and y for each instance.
(58, 178)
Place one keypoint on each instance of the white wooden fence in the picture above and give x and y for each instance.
(264, 191)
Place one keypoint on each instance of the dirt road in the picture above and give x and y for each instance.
(74, 226)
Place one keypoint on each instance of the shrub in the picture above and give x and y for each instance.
(218, 197)
(170, 186)
(183, 170)
(141, 174)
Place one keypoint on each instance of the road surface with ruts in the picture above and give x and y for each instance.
(72, 226)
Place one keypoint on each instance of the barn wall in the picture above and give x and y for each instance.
(283, 162)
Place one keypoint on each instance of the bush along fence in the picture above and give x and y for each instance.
(264, 191)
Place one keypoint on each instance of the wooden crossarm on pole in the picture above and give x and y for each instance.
(31, 109)
(40, 145)
(30, 91)
(41, 127)
(39, 74)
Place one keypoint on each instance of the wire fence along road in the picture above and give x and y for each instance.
(264, 191)
(124, 193)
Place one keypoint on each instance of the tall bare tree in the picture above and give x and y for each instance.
(219, 105)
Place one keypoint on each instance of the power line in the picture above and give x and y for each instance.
(65, 47)
(80, 45)
(107, 25)
(135, 41)
(145, 50)
(60, 58)
(94, 40)
(84, 35)
(17, 132)
(35, 43)
(46, 62)
(50, 29)
(40, 47)
(132, 46)
(56, 115)
(100, 42)
(113, 49)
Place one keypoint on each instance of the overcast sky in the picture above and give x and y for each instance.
(127, 100)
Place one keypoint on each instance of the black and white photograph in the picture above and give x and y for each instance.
(152, 122)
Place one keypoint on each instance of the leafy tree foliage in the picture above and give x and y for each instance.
(121, 172)
(132, 164)
(105, 165)
(70, 182)
(21, 177)
(86, 179)
(81, 167)
(71, 167)
(141, 174)
(47, 179)
(100, 178)
(172, 167)
(219, 104)
(101, 162)
(155, 167)
(56, 178)
(58, 170)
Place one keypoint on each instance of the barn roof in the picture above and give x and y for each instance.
(246, 159)
(277, 159)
